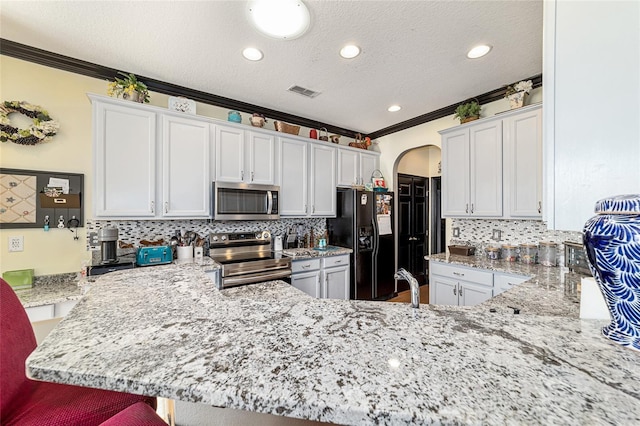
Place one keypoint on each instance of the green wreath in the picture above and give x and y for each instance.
(42, 129)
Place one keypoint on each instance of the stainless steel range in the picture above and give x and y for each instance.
(246, 258)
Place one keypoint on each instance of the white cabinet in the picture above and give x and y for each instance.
(472, 171)
(307, 179)
(149, 164)
(50, 311)
(326, 277)
(503, 282)
(457, 285)
(244, 156)
(124, 160)
(355, 168)
(185, 167)
(522, 144)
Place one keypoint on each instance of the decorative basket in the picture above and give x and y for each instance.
(286, 128)
(377, 179)
(359, 142)
(462, 250)
(324, 134)
(468, 119)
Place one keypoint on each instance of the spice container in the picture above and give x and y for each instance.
(493, 253)
(547, 253)
(509, 253)
(528, 253)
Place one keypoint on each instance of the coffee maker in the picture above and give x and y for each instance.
(108, 238)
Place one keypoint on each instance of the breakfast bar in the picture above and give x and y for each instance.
(269, 348)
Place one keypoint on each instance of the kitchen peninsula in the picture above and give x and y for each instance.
(166, 331)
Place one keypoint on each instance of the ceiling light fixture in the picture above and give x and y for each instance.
(394, 108)
(350, 51)
(252, 54)
(479, 51)
(282, 19)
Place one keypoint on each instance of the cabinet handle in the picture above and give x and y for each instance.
(313, 209)
(305, 209)
(454, 290)
(338, 261)
(153, 207)
(242, 175)
(459, 274)
(166, 207)
(539, 206)
(251, 176)
(466, 209)
(306, 266)
(460, 291)
(471, 208)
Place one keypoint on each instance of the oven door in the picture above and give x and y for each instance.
(242, 201)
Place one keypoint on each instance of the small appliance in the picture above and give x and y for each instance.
(157, 255)
(277, 243)
(243, 201)
(108, 237)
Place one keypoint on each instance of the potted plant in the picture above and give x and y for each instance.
(129, 88)
(467, 111)
(517, 93)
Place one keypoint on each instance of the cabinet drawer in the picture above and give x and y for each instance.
(331, 261)
(305, 265)
(477, 276)
(40, 313)
(507, 281)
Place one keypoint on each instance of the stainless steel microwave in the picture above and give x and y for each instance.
(243, 201)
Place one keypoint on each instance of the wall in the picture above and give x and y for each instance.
(422, 161)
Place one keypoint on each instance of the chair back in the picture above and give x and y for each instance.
(17, 341)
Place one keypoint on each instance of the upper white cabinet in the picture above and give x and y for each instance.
(149, 164)
(472, 171)
(307, 179)
(185, 167)
(124, 160)
(355, 168)
(522, 144)
(244, 156)
(492, 168)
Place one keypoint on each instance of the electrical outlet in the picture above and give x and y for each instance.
(456, 232)
(93, 239)
(496, 235)
(16, 243)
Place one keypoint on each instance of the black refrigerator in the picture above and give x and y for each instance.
(364, 223)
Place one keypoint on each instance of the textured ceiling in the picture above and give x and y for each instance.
(413, 52)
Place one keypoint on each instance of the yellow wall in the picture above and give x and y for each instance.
(64, 96)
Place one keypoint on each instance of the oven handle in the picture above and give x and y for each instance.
(269, 202)
(286, 266)
(255, 278)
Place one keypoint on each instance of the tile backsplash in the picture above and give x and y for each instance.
(479, 233)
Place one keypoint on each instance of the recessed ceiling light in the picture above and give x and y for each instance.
(283, 19)
(350, 51)
(478, 51)
(252, 54)
(394, 108)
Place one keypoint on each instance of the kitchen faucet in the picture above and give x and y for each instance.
(402, 274)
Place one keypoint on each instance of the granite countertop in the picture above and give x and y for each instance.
(551, 291)
(166, 331)
(310, 253)
(50, 289)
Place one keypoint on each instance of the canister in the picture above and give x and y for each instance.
(493, 253)
(528, 253)
(547, 253)
(509, 252)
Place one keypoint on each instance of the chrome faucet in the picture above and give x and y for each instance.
(402, 274)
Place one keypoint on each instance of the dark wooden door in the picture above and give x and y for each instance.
(413, 200)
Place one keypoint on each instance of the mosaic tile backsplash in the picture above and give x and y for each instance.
(479, 233)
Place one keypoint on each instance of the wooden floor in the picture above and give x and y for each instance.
(405, 296)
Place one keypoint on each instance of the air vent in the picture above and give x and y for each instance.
(302, 91)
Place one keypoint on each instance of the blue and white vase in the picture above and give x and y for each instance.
(612, 242)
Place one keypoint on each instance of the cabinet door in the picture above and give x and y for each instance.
(522, 138)
(336, 283)
(185, 167)
(368, 164)
(308, 282)
(443, 291)
(486, 169)
(455, 174)
(504, 282)
(347, 168)
(323, 181)
(261, 158)
(293, 177)
(473, 294)
(229, 154)
(124, 161)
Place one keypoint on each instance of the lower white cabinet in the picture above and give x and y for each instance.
(325, 278)
(50, 311)
(465, 286)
